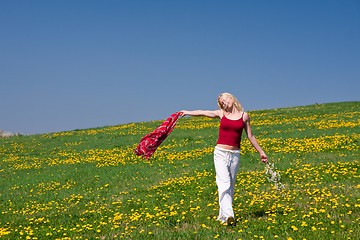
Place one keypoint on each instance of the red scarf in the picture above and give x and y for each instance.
(152, 141)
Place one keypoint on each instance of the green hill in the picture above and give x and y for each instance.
(89, 184)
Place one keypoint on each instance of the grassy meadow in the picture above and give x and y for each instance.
(89, 184)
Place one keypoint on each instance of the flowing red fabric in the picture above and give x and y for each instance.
(152, 141)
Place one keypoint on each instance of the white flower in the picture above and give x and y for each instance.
(273, 176)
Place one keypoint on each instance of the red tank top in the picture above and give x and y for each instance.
(230, 131)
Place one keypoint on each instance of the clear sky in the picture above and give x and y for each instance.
(68, 65)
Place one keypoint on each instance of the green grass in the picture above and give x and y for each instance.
(88, 184)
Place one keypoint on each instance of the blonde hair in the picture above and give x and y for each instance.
(236, 102)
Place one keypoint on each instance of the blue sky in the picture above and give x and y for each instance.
(68, 65)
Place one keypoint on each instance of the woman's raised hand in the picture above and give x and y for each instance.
(183, 113)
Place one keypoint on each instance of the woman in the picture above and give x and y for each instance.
(227, 150)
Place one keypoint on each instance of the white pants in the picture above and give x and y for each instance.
(226, 165)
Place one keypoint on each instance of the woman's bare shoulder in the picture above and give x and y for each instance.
(220, 113)
(246, 116)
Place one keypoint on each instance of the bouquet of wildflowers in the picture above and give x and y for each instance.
(273, 176)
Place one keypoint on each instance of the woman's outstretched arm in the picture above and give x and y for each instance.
(205, 113)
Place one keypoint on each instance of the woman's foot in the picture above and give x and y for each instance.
(230, 221)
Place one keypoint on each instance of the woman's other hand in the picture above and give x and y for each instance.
(264, 158)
